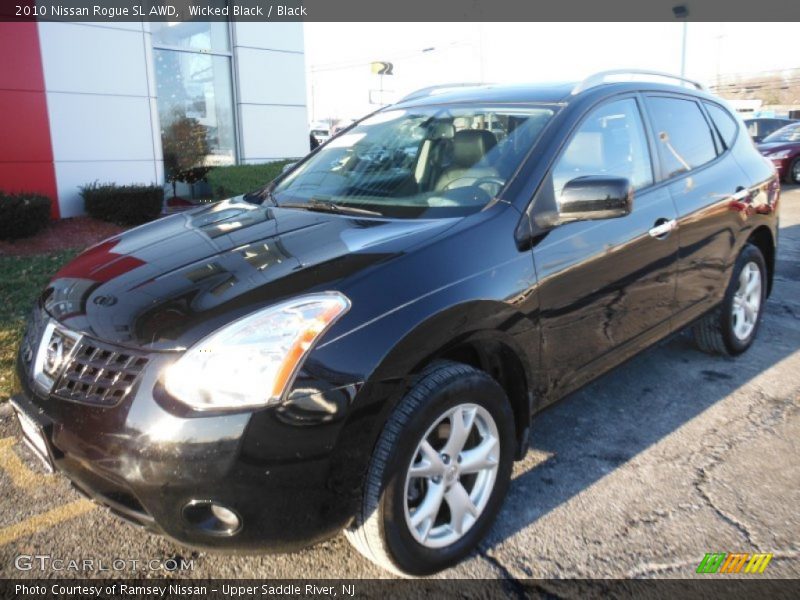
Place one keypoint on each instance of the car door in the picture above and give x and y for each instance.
(703, 179)
(606, 286)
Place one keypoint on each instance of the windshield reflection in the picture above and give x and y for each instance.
(425, 162)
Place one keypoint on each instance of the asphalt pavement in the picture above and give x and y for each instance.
(673, 455)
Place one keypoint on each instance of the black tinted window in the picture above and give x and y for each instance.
(790, 133)
(610, 141)
(772, 126)
(726, 125)
(684, 137)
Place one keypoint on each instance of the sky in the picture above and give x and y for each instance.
(340, 83)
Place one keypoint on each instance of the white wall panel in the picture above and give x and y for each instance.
(273, 132)
(99, 107)
(275, 36)
(93, 60)
(271, 92)
(267, 77)
(103, 113)
(71, 175)
(87, 127)
(131, 26)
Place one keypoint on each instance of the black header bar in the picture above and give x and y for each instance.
(110, 11)
(709, 586)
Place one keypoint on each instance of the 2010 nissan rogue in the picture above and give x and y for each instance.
(362, 343)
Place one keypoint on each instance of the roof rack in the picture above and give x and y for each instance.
(604, 76)
(439, 89)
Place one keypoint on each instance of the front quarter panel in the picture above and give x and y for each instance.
(486, 293)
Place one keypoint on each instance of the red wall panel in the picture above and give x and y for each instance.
(35, 177)
(24, 127)
(21, 67)
(26, 152)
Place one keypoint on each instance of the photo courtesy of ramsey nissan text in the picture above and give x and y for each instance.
(347, 300)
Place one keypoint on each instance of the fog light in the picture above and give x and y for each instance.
(211, 518)
(225, 515)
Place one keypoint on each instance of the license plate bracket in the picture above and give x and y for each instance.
(34, 436)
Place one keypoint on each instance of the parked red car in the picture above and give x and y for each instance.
(783, 149)
(761, 127)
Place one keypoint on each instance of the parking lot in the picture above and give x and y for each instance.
(673, 455)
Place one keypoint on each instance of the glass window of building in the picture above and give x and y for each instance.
(191, 35)
(194, 96)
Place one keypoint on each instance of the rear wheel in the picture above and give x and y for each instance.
(731, 327)
(439, 472)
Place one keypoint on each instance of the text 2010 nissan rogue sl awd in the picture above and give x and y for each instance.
(361, 344)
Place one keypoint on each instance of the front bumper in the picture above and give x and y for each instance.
(101, 488)
(273, 468)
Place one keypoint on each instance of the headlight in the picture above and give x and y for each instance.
(250, 362)
(779, 154)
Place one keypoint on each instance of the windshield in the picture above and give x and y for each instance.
(438, 161)
(790, 133)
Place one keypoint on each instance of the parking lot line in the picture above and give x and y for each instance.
(45, 520)
(21, 475)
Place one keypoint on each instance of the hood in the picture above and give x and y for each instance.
(164, 285)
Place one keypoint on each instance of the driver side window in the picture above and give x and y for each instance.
(610, 141)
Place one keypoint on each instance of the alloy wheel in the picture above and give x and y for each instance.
(451, 475)
(747, 301)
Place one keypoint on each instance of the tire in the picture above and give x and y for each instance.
(792, 175)
(720, 331)
(382, 530)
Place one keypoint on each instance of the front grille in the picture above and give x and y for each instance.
(59, 349)
(99, 374)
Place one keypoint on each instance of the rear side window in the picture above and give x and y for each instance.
(772, 126)
(725, 123)
(683, 135)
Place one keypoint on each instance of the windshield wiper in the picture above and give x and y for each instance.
(330, 207)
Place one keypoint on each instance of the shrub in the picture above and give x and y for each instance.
(22, 215)
(185, 145)
(189, 176)
(240, 179)
(193, 175)
(123, 204)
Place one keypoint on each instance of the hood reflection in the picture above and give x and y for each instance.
(154, 285)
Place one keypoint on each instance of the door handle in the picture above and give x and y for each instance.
(742, 193)
(663, 228)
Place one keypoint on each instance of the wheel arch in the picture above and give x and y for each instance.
(762, 238)
(496, 356)
(491, 336)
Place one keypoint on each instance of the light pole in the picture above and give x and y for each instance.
(681, 11)
(683, 49)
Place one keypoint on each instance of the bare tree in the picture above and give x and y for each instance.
(775, 88)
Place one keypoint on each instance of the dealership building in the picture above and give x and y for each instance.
(129, 102)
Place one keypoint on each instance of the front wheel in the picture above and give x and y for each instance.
(439, 472)
(793, 176)
(731, 327)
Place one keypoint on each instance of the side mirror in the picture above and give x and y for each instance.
(595, 197)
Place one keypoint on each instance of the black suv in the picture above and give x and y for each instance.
(362, 343)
